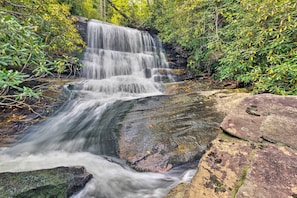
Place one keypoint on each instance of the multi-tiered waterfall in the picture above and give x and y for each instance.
(120, 64)
(122, 60)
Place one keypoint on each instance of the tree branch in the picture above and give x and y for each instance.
(120, 12)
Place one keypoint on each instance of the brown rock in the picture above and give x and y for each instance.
(266, 116)
(179, 191)
(221, 168)
(273, 173)
(255, 168)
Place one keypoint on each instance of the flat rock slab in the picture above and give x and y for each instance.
(258, 159)
(221, 169)
(272, 173)
(56, 182)
(161, 132)
(264, 117)
(242, 169)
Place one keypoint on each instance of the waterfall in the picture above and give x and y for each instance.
(120, 64)
(126, 60)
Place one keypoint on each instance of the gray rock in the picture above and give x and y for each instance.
(161, 132)
(56, 182)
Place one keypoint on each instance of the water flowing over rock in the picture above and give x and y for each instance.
(122, 65)
(122, 51)
(159, 133)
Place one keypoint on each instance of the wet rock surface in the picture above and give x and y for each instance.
(56, 182)
(161, 132)
(14, 121)
(253, 156)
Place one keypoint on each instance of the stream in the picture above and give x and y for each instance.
(120, 64)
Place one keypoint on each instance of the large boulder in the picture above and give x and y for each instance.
(161, 132)
(264, 117)
(256, 157)
(56, 182)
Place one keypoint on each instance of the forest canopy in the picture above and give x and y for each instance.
(251, 42)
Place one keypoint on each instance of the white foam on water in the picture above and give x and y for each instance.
(120, 65)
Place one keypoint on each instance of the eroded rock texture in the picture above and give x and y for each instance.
(256, 157)
(264, 117)
(161, 132)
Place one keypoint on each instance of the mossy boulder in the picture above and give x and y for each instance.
(56, 182)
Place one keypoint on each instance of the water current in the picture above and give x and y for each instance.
(120, 64)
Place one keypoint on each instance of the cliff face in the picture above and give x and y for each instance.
(81, 26)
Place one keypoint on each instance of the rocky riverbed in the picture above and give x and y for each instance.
(247, 144)
(255, 153)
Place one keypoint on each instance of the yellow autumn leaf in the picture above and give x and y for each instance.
(281, 23)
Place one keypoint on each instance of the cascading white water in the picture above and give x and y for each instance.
(120, 64)
(127, 57)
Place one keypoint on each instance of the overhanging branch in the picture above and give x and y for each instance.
(119, 11)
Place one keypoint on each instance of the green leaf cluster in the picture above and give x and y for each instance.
(263, 51)
(36, 39)
(129, 12)
(86, 8)
(253, 42)
(134, 13)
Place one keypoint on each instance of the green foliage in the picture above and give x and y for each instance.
(253, 42)
(52, 21)
(134, 13)
(129, 13)
(20, 45)
(22, 49)
(193, 25)
(86, 8)
(35, 40)
(263, 51)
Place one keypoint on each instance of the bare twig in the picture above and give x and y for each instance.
(14, 13)
(16, 5)
(27, 61)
